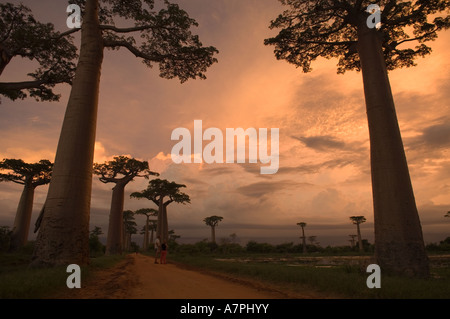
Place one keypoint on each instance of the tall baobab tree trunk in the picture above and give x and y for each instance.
(399, 242)
(165, 224)
(64, 233)
(114, 241)
(159, 221)
(22, 220)
(162, 226)
(358, 230)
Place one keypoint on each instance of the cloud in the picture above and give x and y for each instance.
(437, 135)
(329, 144)
(315, 168)
(321, 143)
(261, 189)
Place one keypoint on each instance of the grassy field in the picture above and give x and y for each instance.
(18, 281)
(336, 278)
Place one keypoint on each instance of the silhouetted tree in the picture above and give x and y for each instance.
(357, 220)
(119, 171)
(312, 240)
(95, 246)
(30, 176)
(352, 240)
(339, 29)
(147, 212)
(21, 36)
(303, 225)
(172, 236)
(213, 222)
(161, 37)
(157, 191)
(129, 227)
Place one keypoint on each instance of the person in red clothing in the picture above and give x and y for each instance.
(164, 248)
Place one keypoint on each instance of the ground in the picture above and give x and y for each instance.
(138, 277)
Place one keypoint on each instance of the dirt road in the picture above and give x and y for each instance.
(138, 277)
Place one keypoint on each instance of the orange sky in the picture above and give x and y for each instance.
(324, 174)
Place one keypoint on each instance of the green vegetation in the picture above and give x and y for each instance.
(338, 272)
(18, 281)
(335, 281)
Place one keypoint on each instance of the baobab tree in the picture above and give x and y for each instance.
(340, 29)
(120, 171)
(147, 212)
(303, 225)
(357, 220)
(172, 236)
(54, 53)
(213, 222)
(129, 228)
(312, 240)
(161, 37)
(352, 240)
(30, 176)
(158, 191)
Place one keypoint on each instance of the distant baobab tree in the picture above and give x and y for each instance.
(129, 228)
(213, 222)
(158, 191)
(147, 212)
(159, 35)
(357, 220)
(340, 29)
(352, 240)
(172, 236)
(120, 171)
(303, 225)
(30, 176)
(313, 240)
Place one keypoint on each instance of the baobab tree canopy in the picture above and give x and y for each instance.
(213, 221)
(158, 188)
(21, 36)
(312, 29)
(21, 172)
(122, 167)
(164, 36)
(358, 219)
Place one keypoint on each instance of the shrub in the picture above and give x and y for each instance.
(255, 247)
